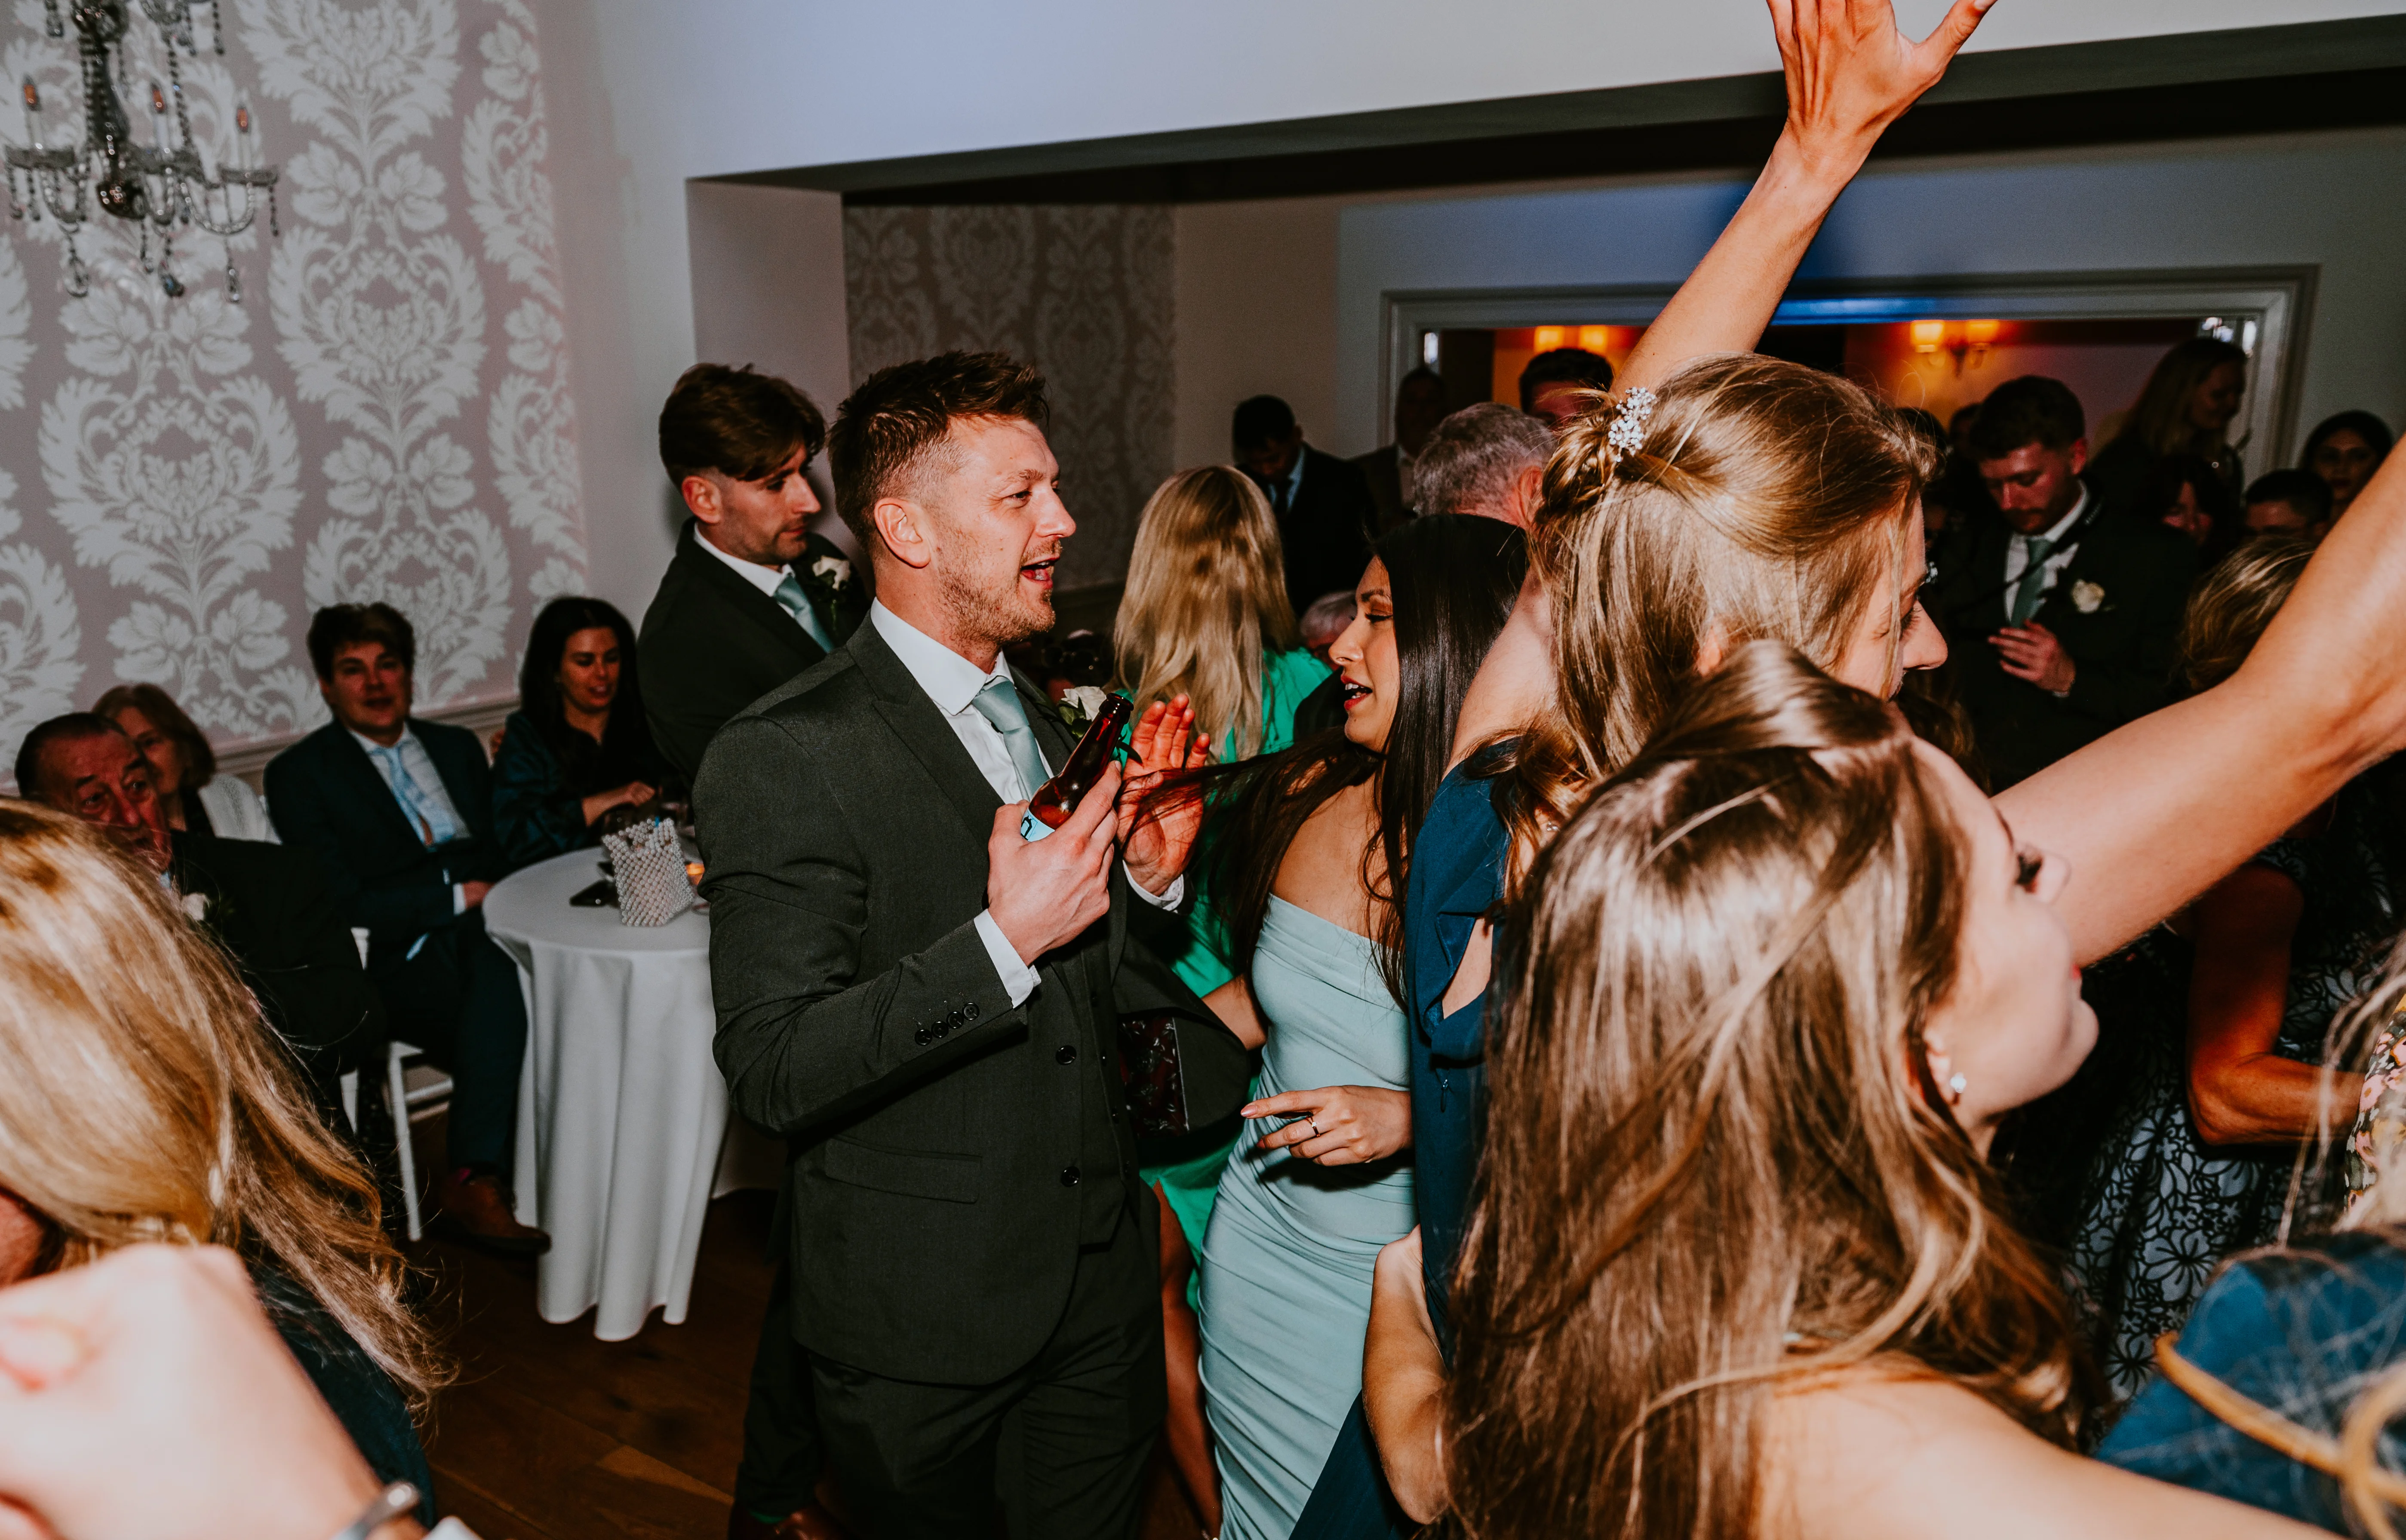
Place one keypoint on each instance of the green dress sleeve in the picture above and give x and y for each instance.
(1287, 677)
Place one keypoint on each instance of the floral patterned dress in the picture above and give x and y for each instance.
(2160, 1208)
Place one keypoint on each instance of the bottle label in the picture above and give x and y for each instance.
(1033, 827)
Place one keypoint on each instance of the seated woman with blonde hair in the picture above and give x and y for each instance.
(142, 1099)
(1739, 1266)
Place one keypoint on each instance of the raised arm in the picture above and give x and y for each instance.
(2152, 814)
(1850, 74)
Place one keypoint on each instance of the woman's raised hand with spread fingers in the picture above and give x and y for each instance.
(1851, 72)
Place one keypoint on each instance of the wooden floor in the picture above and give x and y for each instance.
(552, 1434)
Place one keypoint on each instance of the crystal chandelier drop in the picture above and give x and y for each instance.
(162, 187)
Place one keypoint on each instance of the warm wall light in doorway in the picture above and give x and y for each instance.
(1548, 338)
(1968, 338)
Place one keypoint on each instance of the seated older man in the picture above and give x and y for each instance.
(266, 906)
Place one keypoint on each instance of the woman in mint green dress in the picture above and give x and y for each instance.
(1204, 615)
(1310, 859)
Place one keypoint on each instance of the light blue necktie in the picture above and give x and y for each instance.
(794, 602)
(434, 825)
(998, 703)
(2031, 589)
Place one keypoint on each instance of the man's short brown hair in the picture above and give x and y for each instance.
(886, 428)
(741, 423)
(340, 625)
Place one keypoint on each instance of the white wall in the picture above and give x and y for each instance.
(648, 93)
(2307, 199)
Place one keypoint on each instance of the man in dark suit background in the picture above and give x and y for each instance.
(922, 1001)
(398, 813)
(265, 905)
(751, 598)
(1420, 406)
(1324, 505)
(2061, 613)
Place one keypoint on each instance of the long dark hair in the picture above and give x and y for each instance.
(1453, 578)
(626, 734)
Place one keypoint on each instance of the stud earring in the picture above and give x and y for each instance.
(1955, 1083)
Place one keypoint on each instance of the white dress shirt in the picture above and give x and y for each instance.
(2058, 555)
(763, 578)
(428, 783)
(952, 683)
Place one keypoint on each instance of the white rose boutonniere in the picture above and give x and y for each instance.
(1080, 702)
(833, 572)
(2087, 597)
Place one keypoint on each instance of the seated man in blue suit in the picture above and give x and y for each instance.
(400, 813)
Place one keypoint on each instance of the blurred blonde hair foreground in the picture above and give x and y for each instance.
(1205, 595)
(143, 1100)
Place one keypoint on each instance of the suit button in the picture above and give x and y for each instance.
(1068, 1176)
(972, 1008)
(1065, 1054)
(923, 1037)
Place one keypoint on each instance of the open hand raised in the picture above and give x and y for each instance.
(1159, 837)
(1851, 73)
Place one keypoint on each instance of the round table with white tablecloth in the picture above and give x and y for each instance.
(622, 1115)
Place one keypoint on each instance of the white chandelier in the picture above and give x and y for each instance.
(163, 187)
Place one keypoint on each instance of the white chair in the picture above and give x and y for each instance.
(413, 1093)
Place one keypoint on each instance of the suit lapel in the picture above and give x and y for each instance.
(925, 733)
(838, 612)
(454, 777)
(369, 788)
(740, 601)
(1052, 736)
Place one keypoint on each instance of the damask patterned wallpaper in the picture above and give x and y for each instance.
(383, 415)
(1083, 293)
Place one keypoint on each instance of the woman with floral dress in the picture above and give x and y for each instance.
(2214, 1027)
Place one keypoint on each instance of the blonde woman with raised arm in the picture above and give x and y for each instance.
(1832, 563)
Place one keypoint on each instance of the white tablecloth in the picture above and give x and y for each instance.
(622, 1115)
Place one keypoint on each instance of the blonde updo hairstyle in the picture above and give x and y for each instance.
(143, 1098)
(1764, 500)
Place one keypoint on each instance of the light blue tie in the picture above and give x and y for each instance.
(433, 827)
(2031, 589)
(998, 703)
(794, 602)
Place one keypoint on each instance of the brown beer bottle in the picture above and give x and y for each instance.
(1058, 797)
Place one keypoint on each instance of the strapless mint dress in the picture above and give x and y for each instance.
(1287, 1260)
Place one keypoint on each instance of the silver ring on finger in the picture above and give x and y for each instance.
(1315, 1127)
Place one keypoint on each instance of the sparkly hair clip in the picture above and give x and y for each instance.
(1628, 429)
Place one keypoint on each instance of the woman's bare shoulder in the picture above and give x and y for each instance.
(1323, 871)
(1869, 1455)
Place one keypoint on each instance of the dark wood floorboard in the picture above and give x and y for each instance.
(553, 1435)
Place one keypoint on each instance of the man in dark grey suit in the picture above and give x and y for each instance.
(752, 597)
(921, 1001)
